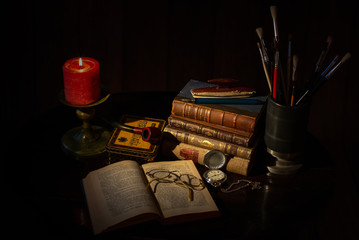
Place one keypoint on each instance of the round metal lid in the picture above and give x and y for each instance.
(214, 159)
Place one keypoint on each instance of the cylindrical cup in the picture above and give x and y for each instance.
(286, 129)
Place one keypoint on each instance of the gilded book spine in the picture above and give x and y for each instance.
(196, 154)
(210, 143)
(209, 131)
(212, 115)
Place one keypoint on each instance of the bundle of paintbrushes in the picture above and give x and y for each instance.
(282, 86)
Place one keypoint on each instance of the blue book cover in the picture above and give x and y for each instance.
(252, 110)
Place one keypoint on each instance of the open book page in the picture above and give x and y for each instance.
(173, 199)
(117, 193)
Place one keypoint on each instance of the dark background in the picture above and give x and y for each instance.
(160, 45)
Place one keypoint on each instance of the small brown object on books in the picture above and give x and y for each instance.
(117, 195)
(226, 87)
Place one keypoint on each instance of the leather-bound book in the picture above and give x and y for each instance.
(209, 143)
(239, 137)
(244, 117)
(178, 150)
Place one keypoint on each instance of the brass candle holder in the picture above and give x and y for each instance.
(87, 140)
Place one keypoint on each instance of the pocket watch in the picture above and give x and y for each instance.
(214, 160)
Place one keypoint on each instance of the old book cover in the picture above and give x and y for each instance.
(178, 150)
(209, 143)
(243, 138)
(126, 193)
(237, 116)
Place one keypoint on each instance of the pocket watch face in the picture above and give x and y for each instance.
(215, 175)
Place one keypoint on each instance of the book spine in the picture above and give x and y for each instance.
(211, 115)
(219, 127)
(210, 143)
(208, 131)
(196, 154)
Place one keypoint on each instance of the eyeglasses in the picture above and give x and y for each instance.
(188, 181)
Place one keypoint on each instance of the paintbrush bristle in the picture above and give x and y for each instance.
(295, 61)
(346, 57)
(273, 11)
(259, 32)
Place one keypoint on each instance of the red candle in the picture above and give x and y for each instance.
(81, 80)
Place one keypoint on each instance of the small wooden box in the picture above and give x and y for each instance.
(124, 145)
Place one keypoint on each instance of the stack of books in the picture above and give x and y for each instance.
(195, 128)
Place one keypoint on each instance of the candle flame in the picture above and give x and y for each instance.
(80, 62)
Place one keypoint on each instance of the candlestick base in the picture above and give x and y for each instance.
(73, 142)
(87, 140)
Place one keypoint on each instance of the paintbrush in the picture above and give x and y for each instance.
(323, 79)
(318, 66)
(284, 83)
(316, 77)
(294, 75)
(338, 65)
(273, 11)
(323, 54)
(330, 66)
(275, 74)
(289, 62)
(263, 46)
(264, 67)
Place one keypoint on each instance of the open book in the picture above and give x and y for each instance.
(125, 193)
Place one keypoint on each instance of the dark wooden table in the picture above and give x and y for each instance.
(44, 197)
